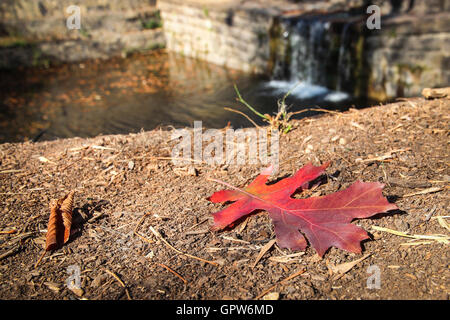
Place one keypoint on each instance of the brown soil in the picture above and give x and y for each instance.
(122, 181)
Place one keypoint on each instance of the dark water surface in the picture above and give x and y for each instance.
(139, 92)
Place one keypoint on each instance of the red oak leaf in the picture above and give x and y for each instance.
(325, 221)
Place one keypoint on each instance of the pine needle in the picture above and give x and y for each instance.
(435, 237)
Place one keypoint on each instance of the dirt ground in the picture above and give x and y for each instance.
(126, 191)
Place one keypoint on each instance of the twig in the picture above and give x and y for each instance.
(137, 226)
(12, 171)
(9, 252)
(429, 190)
(8, 231)
(316, 109)
(436, 237)
(235, 240)
(195, 232)
(287, 258)
(120, 281)
(95, 217)
(416, 243)
(281, 282)
(102, 148)
(348, 162)
(40, 258)
(158, 235)
(199, 223)
(243, 114)
(180, 159)
(172, 271)
(12, 193)
(443, 223)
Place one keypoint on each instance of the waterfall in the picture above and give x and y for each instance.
(316, 51)
(344, 61)
(308, 46)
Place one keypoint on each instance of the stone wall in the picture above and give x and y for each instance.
(35, 32)
(408, 54)
(226, 36)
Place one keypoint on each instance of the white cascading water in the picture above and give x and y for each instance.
(309, 50)
(308, 47)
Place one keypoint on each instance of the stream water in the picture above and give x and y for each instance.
(125, 95)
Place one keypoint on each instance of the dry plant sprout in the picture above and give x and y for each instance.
(279, 121)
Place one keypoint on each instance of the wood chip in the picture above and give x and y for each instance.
(186, 171)
(55, 287)
(264, 249)
(45, 160)
(357, 125)
(340, 269)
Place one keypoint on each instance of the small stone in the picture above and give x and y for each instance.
(220, 262)
(152, 167)
(35, 273)
(78, 291)
(99, 280)
(150, 255)
(377, 235)
(342, 141)
(318, 277)
(130, 165)
(186, 171)
(401, 225)
(272, 296)
(117, 214)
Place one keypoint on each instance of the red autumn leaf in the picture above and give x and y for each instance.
(325, 221)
